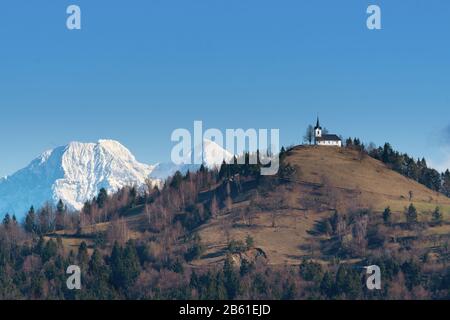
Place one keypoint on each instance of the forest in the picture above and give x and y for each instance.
(157, 263)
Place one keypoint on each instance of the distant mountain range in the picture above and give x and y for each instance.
(77, 171)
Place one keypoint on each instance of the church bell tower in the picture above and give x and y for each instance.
(318, 129)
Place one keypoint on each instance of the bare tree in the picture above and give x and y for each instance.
(360, 233)
(118, 231)
(214, 207)
(273, 216)
(309, 135)
(226, 225)
(247, 215)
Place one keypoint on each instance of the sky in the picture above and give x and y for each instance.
(139, 69)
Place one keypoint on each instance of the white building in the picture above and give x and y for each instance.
(330, 140)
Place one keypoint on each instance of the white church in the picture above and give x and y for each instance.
(331, 140)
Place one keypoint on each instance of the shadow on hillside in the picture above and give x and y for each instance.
(215, 254)
(319, 228)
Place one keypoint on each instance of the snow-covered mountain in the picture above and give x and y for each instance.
(213, 156)
(76, 172)
(73, 173)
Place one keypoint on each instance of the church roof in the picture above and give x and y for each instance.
(329, 137)
(318, 124)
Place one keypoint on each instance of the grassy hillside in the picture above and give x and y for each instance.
(326, 179)
(285, 220)
(356, 179)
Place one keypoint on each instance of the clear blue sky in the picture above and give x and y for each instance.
(139, 69)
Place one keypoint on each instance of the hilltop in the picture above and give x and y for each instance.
(357, 180)
(327, 180)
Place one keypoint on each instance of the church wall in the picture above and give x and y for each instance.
(330, 143)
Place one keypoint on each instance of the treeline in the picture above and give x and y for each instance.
(37, 271)
(33, 264)
(190, 198)
(157, 266)
(404, 164)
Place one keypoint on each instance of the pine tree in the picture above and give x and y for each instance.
(98, 277)
(101, 198)
(7, 220)
(125, 266)
(327, 286)
(116, 266)
(387, 216)
(49, 250)
(132, 264)
(386, 156)
(30, 221)
(411, 215)
(231, 278)
(83, 256)
(437, 216)
(224, 172)
(349, 143)
(60, 215)
(445, 189)
(249, 242)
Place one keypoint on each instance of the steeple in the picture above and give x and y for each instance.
(318, 124)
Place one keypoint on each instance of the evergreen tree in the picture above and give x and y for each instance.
(289, 291)
(387, 216)
(83, 256)
(386, 156)
(412, 170)
(177, 179)
(311, 271)
(327, 285)
(249, 242)
(60, 215)
(349, 143)
(49, 250)
(224, 172)
(30, 221)
(437, 216)
(231, 278)
(411, 215)
(348, 282)
(101, 198)
(87, 208)
(98, 277)
(445, 189)
(125, 266)
(7, 220)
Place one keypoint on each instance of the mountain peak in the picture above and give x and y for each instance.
(73, 173)
(211, 153)
(214, 154)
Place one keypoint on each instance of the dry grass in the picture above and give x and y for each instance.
(324, 175)
(363, 181)
(327, 178)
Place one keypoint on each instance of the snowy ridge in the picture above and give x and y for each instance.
(74, 173)
(213, 157)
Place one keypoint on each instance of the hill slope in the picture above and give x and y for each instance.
(360, 178)
(326, 179)
(285, 219)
